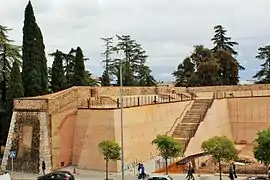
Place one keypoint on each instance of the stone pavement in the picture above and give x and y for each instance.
(100, 176)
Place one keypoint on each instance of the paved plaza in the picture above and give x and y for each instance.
(92, 175)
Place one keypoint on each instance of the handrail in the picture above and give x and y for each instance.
(176, 120)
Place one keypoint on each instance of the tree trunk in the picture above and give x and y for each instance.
(107, 174)
(166, 166)
(219, 166)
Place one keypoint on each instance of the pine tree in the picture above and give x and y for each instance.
(34, 69)
(58, 81)
(8, 54)
(79, 69)
(69, 66)
(15, 85)
(105, 79)
(263, 75)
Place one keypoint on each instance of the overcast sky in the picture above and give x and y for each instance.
(167, 29)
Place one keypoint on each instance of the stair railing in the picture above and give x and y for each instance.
(176, 120)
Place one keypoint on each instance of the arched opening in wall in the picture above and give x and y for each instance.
(66, 131)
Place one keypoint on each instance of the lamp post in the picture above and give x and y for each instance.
(122, 129)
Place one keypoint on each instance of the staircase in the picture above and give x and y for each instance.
(187, 128)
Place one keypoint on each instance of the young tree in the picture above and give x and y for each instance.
(262, 148)
(105, 80)
(221, 149)
(263, 75)
(168, 148)
(15, 85)
(111, 151)
(184, 73)
(79, 78)
(58, 79)
(34, 69)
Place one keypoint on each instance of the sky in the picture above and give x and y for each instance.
(167, 29)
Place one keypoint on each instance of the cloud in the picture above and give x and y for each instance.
(166, 29)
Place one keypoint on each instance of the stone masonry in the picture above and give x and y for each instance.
(9, 141)
(44, 148)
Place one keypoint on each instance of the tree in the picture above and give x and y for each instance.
(262, 147)
(168, 148)
(58, 79)
(8, 54)
(221, 149)
(105, 80)
(184, 73)
(69, 59)
(222, 42)
(79, 78)
(263, 75)
(34, 68)
(15, 85)
(111, 151)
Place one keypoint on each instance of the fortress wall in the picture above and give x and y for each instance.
(62, 130)
(216, 123)
(248, 115)
(142, 125)
(92, 127)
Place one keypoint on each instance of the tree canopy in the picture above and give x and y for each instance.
(168, 147)
(111, 151)
(262, 147)
(221, 149)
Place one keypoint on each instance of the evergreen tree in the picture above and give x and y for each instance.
(34, 69)
(58, 81)
(222, 42)
(105, 80)
(8, 54)
(69, 66)
(184, 73)
(15, 85)
(79, 77)
(264, 74)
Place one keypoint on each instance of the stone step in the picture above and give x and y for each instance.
(191, 120)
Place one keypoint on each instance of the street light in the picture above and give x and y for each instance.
(122, 129)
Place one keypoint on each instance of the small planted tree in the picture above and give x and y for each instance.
(168, 148)
(262, 148)
(110, 151)
(221, 149)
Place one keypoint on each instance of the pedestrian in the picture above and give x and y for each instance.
(234, 170)
(231, 172)
(43, 167)
(190, 172)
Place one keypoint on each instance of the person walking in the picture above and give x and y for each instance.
(234, 170)
(190, 172)
(43, 165)
(231, 172)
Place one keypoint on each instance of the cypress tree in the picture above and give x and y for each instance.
(58, 81)
(15, 85)
(79, 69)
(34, 69)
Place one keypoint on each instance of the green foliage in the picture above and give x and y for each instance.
(205, 67)
(168, 147)
(105, 79)
(58, 79)
(263, 75)
(8, 54)
(34, 68)
(221, 149)
(79, 78)
(111, 151)
(15, 85)
(262, 148)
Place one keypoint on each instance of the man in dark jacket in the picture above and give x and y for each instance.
(43, 165)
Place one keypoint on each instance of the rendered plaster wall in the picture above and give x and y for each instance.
(62, 130)
(142, 125)
(248, 116)
(216, 123)
(92, 127)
